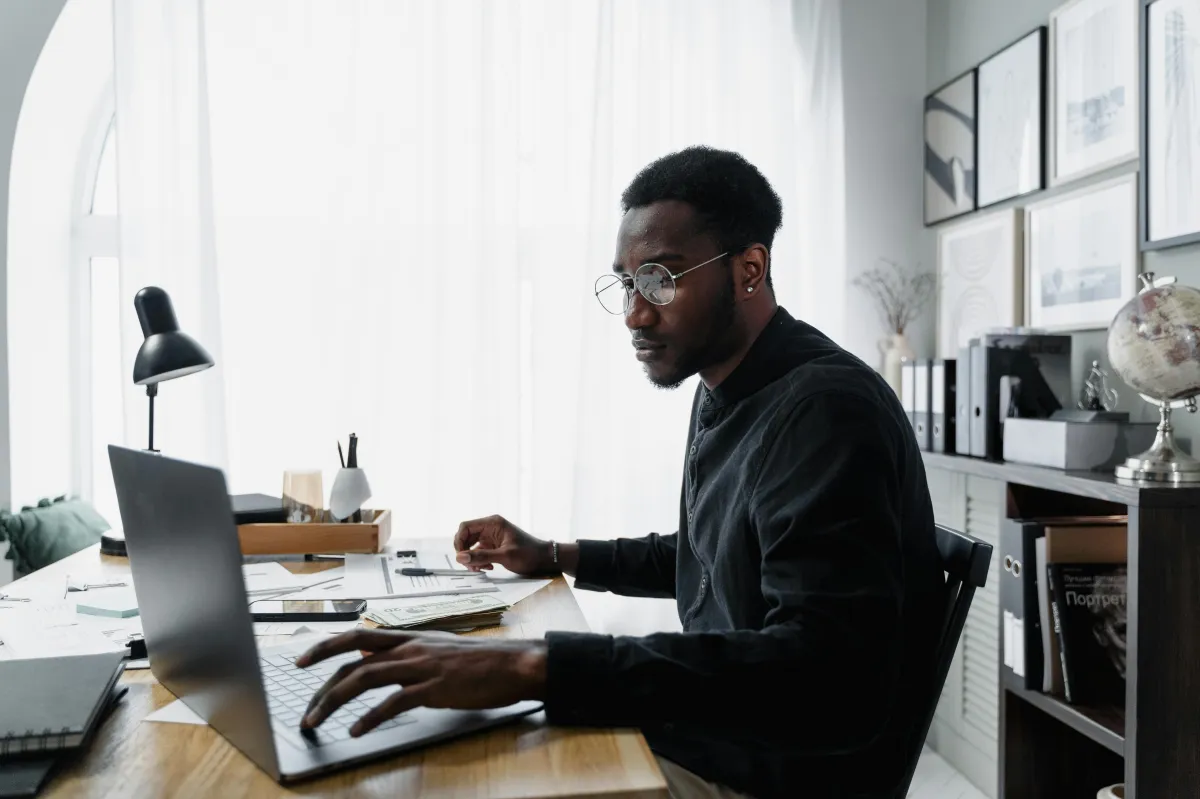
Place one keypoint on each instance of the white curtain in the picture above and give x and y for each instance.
(386, 218)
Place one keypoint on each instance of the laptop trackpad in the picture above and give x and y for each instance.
(415, 728)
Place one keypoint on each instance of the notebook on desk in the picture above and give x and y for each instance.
(52, 704)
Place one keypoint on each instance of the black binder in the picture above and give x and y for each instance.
(1020, 623)
(943, 409)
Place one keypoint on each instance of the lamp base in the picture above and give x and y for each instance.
(113, 543)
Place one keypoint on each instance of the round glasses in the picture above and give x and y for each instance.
(653, 281)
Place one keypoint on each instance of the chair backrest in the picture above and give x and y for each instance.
(966, 561)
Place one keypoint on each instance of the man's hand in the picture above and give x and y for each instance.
(432, 669)
(483, 542)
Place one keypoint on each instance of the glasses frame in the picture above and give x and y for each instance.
(629, 287)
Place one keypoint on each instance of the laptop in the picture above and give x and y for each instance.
(187, 573)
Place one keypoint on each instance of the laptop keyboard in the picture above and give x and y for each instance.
(289, 689)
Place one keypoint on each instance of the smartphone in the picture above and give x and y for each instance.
(307, 609)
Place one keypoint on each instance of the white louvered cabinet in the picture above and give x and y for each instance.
(966, 725)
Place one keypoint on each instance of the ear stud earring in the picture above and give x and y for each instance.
(749, 288)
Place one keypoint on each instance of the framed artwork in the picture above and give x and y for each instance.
(950, 150)
(1082, 255)
(1012, 120)
(1170, 167)
(1094, 107)
(979, 278)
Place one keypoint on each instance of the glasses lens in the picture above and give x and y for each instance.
(612, 293)
(655, 283)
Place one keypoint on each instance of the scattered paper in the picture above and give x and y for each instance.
(513, 591)
(264, 580)
(50, 631)
(378, 577)
(176, 713)
(299, 627)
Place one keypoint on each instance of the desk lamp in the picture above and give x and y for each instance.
(166, 353)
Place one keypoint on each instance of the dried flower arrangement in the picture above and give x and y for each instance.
(899, 293)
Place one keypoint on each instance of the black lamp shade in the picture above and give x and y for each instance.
(167, 352)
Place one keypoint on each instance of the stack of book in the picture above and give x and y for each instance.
(1063, 604)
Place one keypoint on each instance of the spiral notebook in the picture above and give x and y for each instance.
(52, 704)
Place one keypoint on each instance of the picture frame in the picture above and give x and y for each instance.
(1011, 136)
(980, 277)
(1082, 256)
(950, 174)
(1094, 106)
(1169, 210)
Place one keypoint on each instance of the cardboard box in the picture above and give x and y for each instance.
(1075, 446)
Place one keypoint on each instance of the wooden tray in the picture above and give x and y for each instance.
(318, 538)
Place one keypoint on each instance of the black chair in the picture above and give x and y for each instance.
(965, 560)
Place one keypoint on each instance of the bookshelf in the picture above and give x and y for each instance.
(1053, 750)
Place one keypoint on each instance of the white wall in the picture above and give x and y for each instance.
(24, 26)
(883, 81)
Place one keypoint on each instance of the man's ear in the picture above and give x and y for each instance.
(751, 273)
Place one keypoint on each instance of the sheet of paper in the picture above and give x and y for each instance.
(513, 591)
(1008, 639)
(267, 579)
(1018, 633)
(299, 627)
(51, 630)
(176, 713)
(378, 577)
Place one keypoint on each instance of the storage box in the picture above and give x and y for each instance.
(318, 538)
(1074, 446)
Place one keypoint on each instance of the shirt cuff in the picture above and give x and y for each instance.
(579, 678)
(596, 570)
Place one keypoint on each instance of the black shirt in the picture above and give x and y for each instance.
(807, 578)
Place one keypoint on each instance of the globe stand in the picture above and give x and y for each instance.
(1165, 461)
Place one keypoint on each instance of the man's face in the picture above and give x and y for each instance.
(693, 331)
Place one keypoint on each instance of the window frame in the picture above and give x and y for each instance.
(92, 236)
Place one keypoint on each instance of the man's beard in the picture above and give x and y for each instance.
(714, 347)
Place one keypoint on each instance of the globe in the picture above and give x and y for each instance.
(1154, 345)
(1154, 342)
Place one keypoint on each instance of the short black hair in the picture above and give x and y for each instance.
(732, 199)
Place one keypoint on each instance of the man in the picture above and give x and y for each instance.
(805, 567)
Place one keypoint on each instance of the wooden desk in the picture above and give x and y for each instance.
(132, 758)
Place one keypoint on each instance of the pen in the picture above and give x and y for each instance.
(411, 572)
(341, 457)
(352, 462)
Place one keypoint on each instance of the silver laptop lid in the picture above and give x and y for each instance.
(187, 570)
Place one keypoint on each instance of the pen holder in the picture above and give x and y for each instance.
(350, 490)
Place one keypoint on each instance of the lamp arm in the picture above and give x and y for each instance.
(151, 392)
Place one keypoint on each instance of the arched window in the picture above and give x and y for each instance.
(65, 369)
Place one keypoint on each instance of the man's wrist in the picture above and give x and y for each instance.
(531, 670)
(562, 558)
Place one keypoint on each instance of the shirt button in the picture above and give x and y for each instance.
(690, 516)
(693, 450)
(706, 400)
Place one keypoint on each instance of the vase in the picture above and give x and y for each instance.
(895, 350)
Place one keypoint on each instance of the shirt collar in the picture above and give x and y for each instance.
(762, 364)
